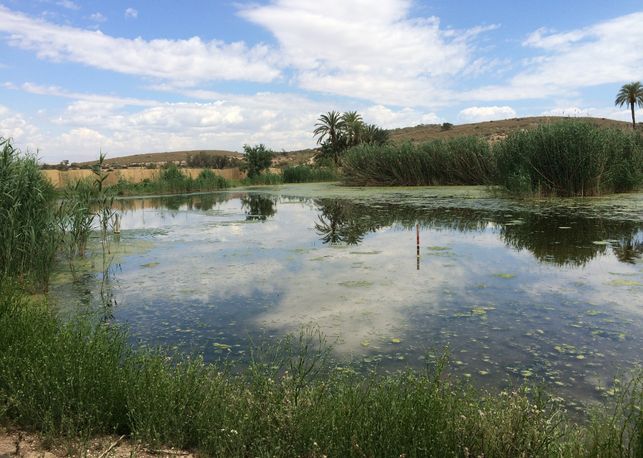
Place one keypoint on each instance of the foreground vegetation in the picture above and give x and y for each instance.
(81, 378)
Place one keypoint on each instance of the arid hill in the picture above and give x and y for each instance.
(491, 130)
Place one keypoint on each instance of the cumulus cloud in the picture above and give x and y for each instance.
(183, 61)
(131, 13)
(478, 114)
(385, 56)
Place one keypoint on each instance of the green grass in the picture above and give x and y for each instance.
(265, 178)
(173, 181)
(29, 233)
(80, 378)
(307, 174)
(459, 161)
(570, 158)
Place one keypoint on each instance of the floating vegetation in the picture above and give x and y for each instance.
(624, 282)
(438, 248)
(221, 346)
(356, 284)
(396, 340)
(150, 264)
(504, 275)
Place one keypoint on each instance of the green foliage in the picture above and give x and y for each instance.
(569, 158)
(307, 174)
(631, 95)
(257, 159)
(446, 126)
(172, 180)
(28, 228)
(460, 161)
(82, 378)
(337, 132)
(263, 179)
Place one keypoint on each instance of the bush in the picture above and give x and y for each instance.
(307, 174)
(570, 158)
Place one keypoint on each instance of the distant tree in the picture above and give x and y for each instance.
(258, 158)
(446, 126)
(630, 94)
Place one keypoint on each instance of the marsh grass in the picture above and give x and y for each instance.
(459, 161)
(80, 378)
(265, 178)
(307, 174)
(569, 158)
(172, 180)
(29, 233)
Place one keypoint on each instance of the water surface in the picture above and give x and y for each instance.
(547, 291)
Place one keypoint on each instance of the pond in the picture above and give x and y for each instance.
(544, 291)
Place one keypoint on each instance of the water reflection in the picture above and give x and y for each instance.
(516, 290)
(558, 239)
(258, 207)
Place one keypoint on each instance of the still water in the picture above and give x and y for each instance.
(549, 291)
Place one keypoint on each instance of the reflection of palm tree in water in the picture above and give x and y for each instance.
(258, 207)
(336, 224)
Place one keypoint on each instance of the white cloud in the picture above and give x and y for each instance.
(68, 4)
(479, 114)
(182, 61)
(98, 17)
(385, 56)
(131, 13)
(390, 119)
(607, 52)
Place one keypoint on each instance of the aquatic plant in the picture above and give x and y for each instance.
(66, 379)
(172, 180)
(569, 158)
(308, 174)
(29, 233)
(459, 161)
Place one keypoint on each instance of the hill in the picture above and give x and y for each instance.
(173, 156)
(491, 130)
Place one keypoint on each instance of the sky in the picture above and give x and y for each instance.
(135, 76)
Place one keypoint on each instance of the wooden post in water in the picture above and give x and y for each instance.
(117, 223)
(417, 236)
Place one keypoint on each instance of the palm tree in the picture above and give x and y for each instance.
(328, 128)
(630, 94)
(375, 135)
(353, 127)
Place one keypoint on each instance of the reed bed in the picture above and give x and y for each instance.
(459, 161)
(570, 158)
(29, 233)
(81, 378)
(307, 174)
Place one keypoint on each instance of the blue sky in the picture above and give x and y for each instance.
(138, 76)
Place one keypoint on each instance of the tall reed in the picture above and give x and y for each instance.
(307, 174)
(29, 234)
(569, 158)
(459, 161)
